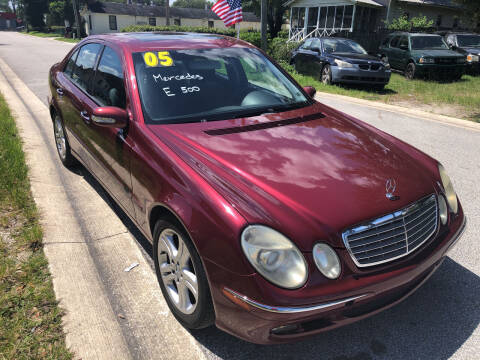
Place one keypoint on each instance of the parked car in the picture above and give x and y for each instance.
(271, 215)
(422, 55)
(469, 46)
(337, 60)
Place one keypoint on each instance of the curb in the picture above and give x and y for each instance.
(470, 125)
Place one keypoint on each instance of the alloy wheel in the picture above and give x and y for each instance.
(326, 77)
(177, 271)
(60, 140)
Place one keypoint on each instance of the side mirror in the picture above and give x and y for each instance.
(310, 90)
(110, 116)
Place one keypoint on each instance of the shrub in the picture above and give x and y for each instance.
(404, 24)
(281, 50)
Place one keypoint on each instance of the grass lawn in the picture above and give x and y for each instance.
(52, 35)
(30, 319)
(459, 99)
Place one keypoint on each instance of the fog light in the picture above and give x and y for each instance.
(285, 329)
(326, 260)
(443, 209)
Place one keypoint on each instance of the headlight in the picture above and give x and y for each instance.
(473, 58)
(443, 210)
(275, 257)
(343, 64)
(449, 191)
(426, 60)
(387, 66)
(326, 260)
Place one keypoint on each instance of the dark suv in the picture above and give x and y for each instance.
(422, 54)
(468, 45)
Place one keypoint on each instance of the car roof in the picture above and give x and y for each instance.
(412, 34)
(331, 37)
(141, 41)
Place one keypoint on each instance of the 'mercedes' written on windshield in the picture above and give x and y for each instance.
(163, 59)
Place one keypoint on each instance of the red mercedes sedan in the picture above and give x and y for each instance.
(271, 215)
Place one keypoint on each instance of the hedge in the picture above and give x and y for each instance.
(278, 48)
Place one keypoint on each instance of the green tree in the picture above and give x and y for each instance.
(5, 6)
(197, 4)
(34, 12)
(275, 13)
(59, 11)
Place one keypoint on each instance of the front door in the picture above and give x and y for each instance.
(109, 148)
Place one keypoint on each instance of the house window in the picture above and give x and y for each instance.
(90, 22)
(152, 21)
(455, 22)
(112, 20)
(439, 20)
(176, 22)
(210, 23)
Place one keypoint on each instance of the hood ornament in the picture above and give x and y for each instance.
(390, 188)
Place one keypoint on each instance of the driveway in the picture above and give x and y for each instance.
(440, 321)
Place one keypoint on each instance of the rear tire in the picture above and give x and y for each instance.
(61, 143)
(327, 75)
(181, 276)
(410, 71)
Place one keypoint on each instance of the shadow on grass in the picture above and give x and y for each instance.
(367, 88)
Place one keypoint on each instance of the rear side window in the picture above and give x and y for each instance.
(84, 66)
(71, 64)
(394, 42)
(386, 41)
(108, 86)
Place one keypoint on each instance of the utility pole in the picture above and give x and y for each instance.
(167, 12)
(263, 20)
(77, 17)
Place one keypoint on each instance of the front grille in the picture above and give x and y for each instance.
(373, 67)
(394, 235)
(445, 60)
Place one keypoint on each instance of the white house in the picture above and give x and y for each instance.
(107, 17)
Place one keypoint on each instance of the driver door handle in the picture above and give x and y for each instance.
(60, 91)
(85, 116)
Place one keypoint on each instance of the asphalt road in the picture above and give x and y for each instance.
(440, 321)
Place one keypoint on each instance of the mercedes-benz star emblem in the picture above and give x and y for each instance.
(390, 187)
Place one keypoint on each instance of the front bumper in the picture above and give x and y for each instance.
(359, 76)
(258, 322)
(439, 69)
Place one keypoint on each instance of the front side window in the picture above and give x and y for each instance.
(428, 42)
(84, 66)
(112, 20)
(468, 40)
(211, 84)
(108, 86)
(335, 46)
(395, 41)
(403, 43)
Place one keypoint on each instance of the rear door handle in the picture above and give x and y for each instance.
(60, 91)
(85, 117)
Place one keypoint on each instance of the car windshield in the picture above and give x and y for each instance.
(333, 46)
(428, 42)
(211, 84)
(468, 40)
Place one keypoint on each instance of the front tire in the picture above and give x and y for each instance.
(181, 276)
(327, 75)
(61, 143)
(410, 71)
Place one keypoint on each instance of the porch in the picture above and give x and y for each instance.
(314, 18)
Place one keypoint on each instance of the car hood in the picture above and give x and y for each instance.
(356, 58)
(471, 50)
(309, 173)
(436, 53)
